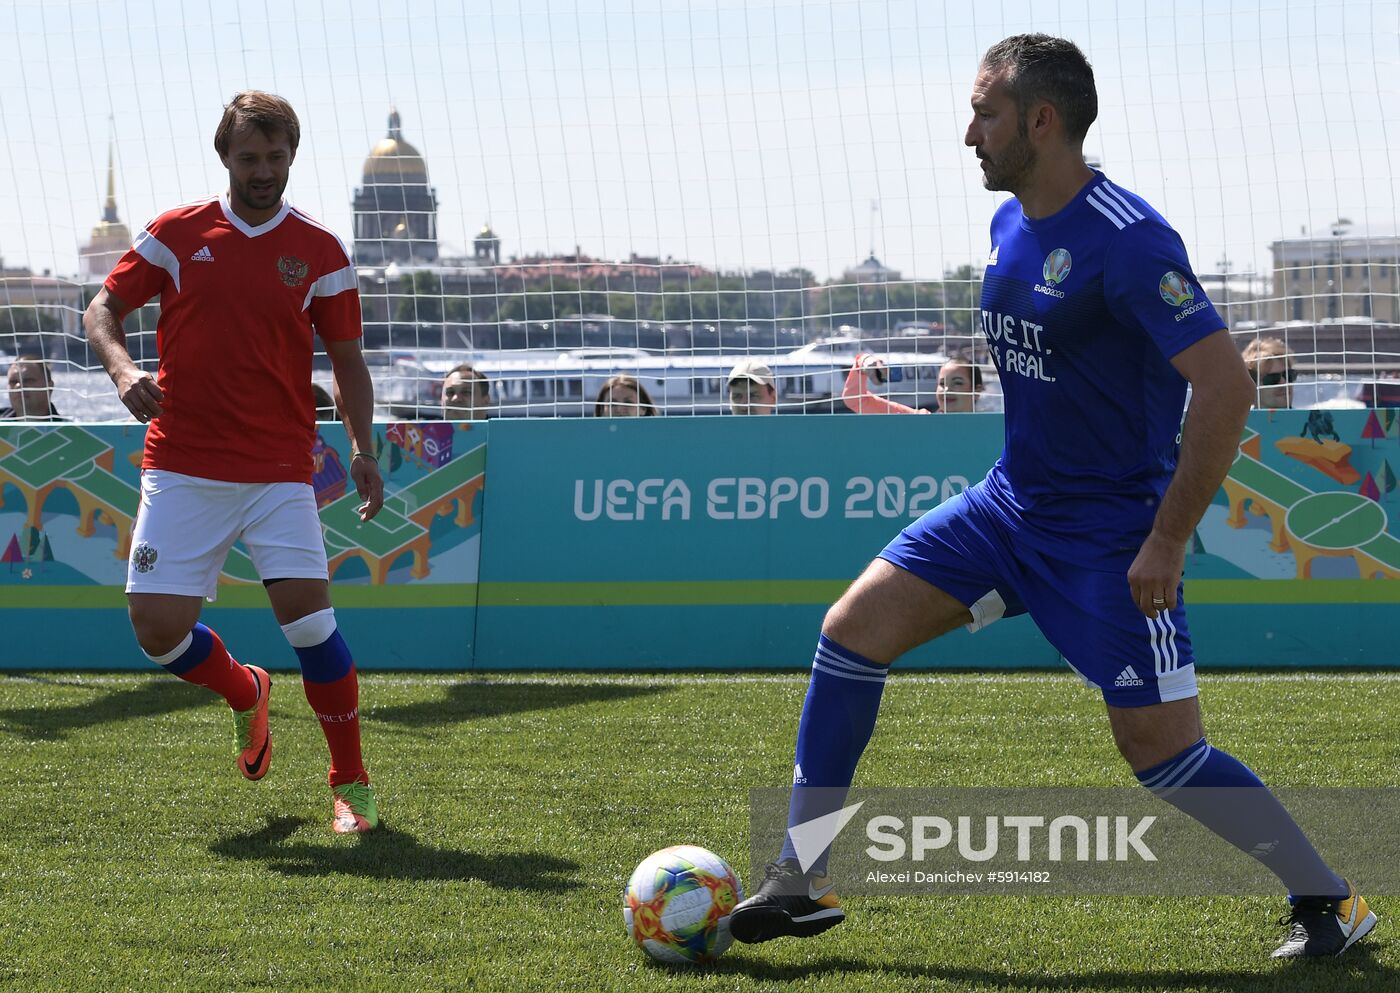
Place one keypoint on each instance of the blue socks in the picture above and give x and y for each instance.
(838, 718)
(327, 662)
(322, 652)
(1253, 822)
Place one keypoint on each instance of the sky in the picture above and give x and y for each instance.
(736, 134)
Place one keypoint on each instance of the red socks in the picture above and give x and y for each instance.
(337, 707)
(328, 676)
(203, 660)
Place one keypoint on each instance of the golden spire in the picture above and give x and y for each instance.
(110, 237)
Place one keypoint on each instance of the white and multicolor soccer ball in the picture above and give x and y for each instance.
(677, 904)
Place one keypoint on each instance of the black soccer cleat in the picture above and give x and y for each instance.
(1319, 926)
(789, 902)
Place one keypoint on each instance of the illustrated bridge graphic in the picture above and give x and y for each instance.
(1310, 524)
(38, 462)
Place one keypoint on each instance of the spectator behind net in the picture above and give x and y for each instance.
(326, 408)
(31, 391)
(624, 396)
(1270, 365)
(466, 394)
(959, 386)
(751, 388)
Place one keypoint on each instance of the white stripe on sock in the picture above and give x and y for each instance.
(1177, 765)
(174, 653)
(847, 675)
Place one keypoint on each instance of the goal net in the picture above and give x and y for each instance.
(557, 193)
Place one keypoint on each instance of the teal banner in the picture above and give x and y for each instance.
(711, 541)
(721, 541)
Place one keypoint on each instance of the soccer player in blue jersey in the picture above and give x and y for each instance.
(1096, 323)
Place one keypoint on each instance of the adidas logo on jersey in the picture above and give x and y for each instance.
(1128, 677)
(992, 259)
(203, 255)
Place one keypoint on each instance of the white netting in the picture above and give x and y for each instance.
(674, 187)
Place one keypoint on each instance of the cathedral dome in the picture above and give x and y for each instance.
(393, 160)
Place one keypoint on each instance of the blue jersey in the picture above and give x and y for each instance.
(1083, 311)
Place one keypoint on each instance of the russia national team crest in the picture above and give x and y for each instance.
(292, 270)
(1057, 265)
(1176, 289)
(143, 557)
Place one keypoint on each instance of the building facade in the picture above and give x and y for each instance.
(1350, 272)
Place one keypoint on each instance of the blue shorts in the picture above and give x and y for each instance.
(967, 549)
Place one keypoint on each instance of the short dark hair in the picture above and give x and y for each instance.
(967, 362)
(1052, 69)
(267, 112)
(600, 407)
(481, 385)
(325, 404)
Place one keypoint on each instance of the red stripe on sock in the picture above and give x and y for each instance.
(337, 707)
(222, 674)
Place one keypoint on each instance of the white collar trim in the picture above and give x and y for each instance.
(248, 229)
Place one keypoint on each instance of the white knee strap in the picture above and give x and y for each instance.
(311, 630)
(173, 654)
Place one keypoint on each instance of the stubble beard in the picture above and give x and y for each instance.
(246, 196)
(1013, 168)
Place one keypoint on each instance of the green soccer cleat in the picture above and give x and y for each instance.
(1319, 926)
(355, 809)
(252, 740)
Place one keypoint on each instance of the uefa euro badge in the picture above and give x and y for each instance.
(1176, 289)
(143, 557)
(1057, 265)
(292, 270)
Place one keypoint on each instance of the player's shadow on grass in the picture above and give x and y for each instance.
(476, 700)
(390, 854)
(1357, 969)
(159, 696)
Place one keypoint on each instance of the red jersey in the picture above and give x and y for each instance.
(238, 307)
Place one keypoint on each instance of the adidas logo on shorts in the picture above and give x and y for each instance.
(1128, 677)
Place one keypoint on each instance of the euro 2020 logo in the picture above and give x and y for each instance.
(1056, 269)
(1176, 290)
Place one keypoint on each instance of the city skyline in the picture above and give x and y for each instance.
(735, 137)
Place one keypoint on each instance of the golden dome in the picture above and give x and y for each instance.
(394, 160)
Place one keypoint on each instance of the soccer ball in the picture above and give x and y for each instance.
(677, 904)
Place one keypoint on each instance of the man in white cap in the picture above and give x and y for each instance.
(751, 389)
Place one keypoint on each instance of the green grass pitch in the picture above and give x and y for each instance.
(134, 857)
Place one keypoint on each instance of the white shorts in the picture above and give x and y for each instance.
(186, 525)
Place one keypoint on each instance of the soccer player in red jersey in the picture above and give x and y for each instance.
(245, 280)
